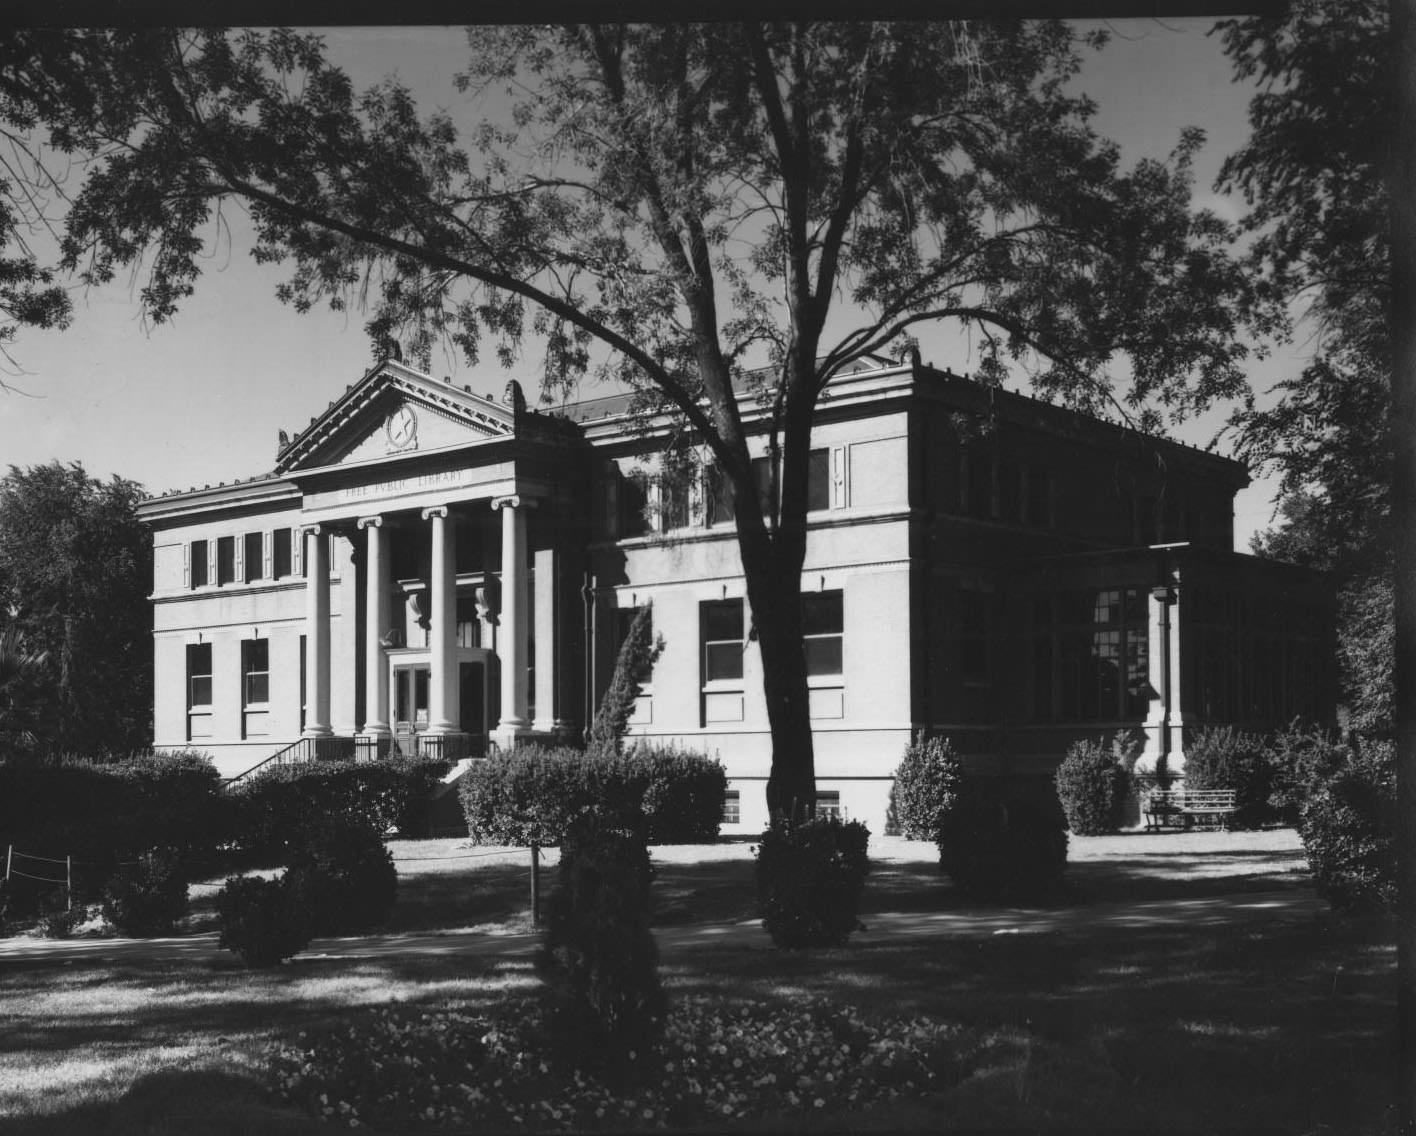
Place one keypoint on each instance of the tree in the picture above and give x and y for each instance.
(633, 666)
(1312, 172)
(666, 206)
(75, 572)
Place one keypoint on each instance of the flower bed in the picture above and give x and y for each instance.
(715, 1060)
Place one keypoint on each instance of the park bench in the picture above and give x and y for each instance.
(1183, 808)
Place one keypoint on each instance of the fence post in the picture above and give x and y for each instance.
(535, 884)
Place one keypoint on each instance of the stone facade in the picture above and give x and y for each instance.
(429, 570)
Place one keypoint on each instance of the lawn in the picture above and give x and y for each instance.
(1277, 1018)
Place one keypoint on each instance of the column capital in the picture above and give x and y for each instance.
(513, 500)
(370, 522)
(311, 530)
(435, 511)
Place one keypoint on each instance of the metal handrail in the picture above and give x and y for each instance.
(450, 747)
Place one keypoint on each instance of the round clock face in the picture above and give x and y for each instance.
(402, 429)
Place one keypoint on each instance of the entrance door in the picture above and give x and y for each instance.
(410, 706)
(472, 697)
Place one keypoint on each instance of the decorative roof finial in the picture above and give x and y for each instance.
(514, 398)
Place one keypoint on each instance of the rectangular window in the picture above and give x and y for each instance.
(280, 553)
(199, 563)
(818, 481)
(718, 492)
(255, 671)
(633, 503)
(828, 802)
(822, 627)
(198, 690)
(254, 556)
(1102, 657)
(225, 560)
(732, 807)
(722, 634)
(673, 503)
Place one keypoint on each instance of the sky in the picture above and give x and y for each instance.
(200, 400)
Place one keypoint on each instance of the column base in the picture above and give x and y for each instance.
(317, 732)
(506, 735)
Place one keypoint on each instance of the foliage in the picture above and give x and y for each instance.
(102, 812)
(692, 198)
(1093, 782)
(260, 921)
(149, 897)
(275, 807)
(477, 1069)
(1004, 839)
(532, 793)
(633, 666)
(1224, 758)
(925, 784)
(1349, 825)
(1299, 760)
(75, 572)
(342, 877)
(1313, 172)
(598, 945)
(810, 874)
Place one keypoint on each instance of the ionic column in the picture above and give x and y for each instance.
(1174, 718)
(443, 710)
(511, 642)
(376, 613)
(316, 633)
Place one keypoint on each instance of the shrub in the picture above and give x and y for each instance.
(342, 876)
(1224, 758)
(633, 666)
(532, 793)
(1349, 824)
(1093, 782)
(104, 812)
(276, 807)
(598, 939)
(925, 786)
(1004, 839)
(1299, 759)
(810, 874)
(259, 921)
(149, 897)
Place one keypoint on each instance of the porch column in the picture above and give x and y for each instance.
(1174, 719)
(376, 585)
(547, 601)
(511, 642)
(442, 633)
(316, 633)
(1157, 664)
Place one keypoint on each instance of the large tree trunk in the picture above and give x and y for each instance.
(1402, 192)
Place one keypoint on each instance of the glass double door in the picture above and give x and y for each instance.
(411, 683)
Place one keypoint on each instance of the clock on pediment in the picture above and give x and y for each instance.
(401, 429)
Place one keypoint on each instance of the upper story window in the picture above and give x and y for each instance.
(673, 503)
(198, 556)
(633, 507)
(818, 481)
(225, 559)
(722, 635)
(822, 627)
(280, 554)
(253, 555)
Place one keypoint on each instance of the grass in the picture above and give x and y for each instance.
(1281, 1022)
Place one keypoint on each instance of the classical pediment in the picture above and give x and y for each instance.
(392, 412)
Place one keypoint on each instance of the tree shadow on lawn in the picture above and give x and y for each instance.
(1283, 1025)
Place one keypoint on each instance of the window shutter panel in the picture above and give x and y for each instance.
(297, 552)
(211, 559)
(187, 564)
(239, 544)
(267, 552)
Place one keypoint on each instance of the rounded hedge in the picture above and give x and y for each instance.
(532, 793)
(1093, 783)
(260, 921)
(149, 897)
(1349, 825)
(926, 783)
(1004, 840)
(810, 874)
(1224, 758)
(342, 876)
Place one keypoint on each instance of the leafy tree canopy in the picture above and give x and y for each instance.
(670, 206)
(75, 571)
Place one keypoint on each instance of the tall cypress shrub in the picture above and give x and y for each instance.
(633, 666)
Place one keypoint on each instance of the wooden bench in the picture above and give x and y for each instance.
(1184, 808)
